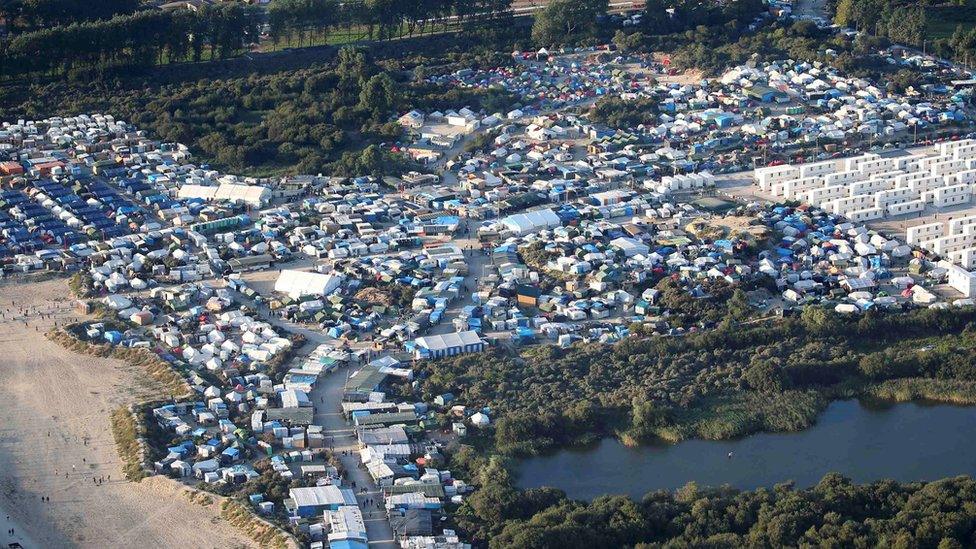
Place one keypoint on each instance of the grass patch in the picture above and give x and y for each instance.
(741, 415)
(261, 531)
(962, 393)
(126, 431)
(202, 499)
(81, 285)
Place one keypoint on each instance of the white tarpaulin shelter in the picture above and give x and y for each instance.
(630, 247)
(529, 222)
(252, 195)
(299, 283)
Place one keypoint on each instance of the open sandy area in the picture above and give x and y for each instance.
(55, 437)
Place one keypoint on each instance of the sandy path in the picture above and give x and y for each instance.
(55, 437)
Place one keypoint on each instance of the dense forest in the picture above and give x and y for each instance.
(834, 513)
(140, 39)
(30, 15)
(735, 379)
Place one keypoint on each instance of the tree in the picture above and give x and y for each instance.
(279, 21)
(765, 376)
(568, 22)
(738, 306)
(351, 71)
(628, 42)
(819, 321)
(371, 161)
(656, 18)
(645, 418)
(907, 25)
(495, 498)
(378, 96)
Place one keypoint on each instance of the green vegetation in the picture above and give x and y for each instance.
(733, 380)
(276, 367)
(946, 28)
(261, 531)
(714, 49)
(141, 39)
(323, 119)
(694, 14)
(581, 22)
(75, 38)
(29, 15)
(834, 513)
(331, 116)
(901, 21)
(125, 431)
(915, 389)
(620, 113)
(568, 22)
(81, 285)
(380, 19)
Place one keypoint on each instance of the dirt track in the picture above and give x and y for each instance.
(55, 437)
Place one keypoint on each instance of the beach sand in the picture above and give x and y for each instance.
(55, 437)
(19, 535)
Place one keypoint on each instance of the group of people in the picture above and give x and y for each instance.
(24, 314)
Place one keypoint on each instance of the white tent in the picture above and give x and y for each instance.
(252, 195)
(299, 283)
(529, 222)
(629, 246)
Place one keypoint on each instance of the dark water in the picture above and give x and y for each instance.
(904, 442)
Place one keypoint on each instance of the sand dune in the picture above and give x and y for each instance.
(55, 437)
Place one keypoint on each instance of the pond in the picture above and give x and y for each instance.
(904, 442)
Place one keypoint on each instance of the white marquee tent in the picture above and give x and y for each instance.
(529, 222)
(300, 283)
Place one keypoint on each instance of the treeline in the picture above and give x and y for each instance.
(303, 20)
(141, 39)
(901, 21)
(724, 382)
(833, 513)
(910, 23)
(28, 15)
(714, 37)
(60, 36)
(671, 16)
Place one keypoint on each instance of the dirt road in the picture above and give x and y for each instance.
(327, 397)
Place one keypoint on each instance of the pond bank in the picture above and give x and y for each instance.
(905, 442)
